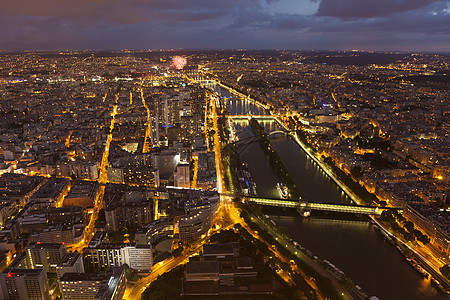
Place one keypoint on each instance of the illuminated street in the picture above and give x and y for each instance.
(134, 290)
(217, 144)
(295, 173)
(103, 178)
(148, 129)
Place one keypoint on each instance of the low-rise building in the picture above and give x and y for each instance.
(223, 271)
(52, 191)
(82, 194)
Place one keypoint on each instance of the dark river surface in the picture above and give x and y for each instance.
(351, 243)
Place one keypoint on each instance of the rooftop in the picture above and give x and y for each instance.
(202, 267)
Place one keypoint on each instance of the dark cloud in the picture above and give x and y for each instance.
(427, 28)
(196, 24)
(369, 8)
(433, 20)
(126, 11)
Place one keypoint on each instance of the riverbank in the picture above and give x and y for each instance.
(331, 281)
(270, 268)
(318, 236)
(424, 261)
(274, 160)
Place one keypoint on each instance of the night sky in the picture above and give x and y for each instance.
(406, 25)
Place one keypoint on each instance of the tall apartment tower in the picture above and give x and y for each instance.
(182, 175)
(72, 262)
(45, 255)
(24, 284)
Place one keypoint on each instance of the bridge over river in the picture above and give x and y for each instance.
(305, 206)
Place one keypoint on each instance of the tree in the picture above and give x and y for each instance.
(177, 252)
(127, 271)
(386, 216)
(409, 236)
(409, 226)
(445, 271)
(356, 172)
(401, 218)
(417, 233)
(424, 239)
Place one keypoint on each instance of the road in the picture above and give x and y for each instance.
(228, 211)
(217, 147)
(226, 217)
(194, 177)
(425, 257)
(346, 295)
(428, 254)
(222, 219)
(103, 178)
(148, 129)
(134, 291)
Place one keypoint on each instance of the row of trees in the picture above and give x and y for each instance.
(323, 283)
(167, 287)
(300, 283)
(405, 228)
(445, 271)
(304, 138)
(274, 159)
(263, 259)
(360, 191)
(231, 162)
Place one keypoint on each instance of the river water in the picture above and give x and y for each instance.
(350, 243)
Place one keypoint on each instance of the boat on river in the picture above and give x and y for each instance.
(283, 190)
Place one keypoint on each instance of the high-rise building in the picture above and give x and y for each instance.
(104, 256)
(194, 225)
(72, 262)
(89, 286)
(127, 206)
(128, 214)
(142, 176)
(45, 255)
(24, 284)
(154, 231)
(182, 175)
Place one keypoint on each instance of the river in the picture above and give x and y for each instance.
(350, 243)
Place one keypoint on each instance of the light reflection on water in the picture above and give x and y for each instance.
(354, 246)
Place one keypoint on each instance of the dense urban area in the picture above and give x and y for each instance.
(128, 174)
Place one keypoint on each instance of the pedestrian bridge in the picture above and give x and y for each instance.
(302, 205)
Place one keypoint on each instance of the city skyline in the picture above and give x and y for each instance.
(166, 174)
(420, 26)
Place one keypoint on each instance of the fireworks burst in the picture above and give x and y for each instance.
(179, 62)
